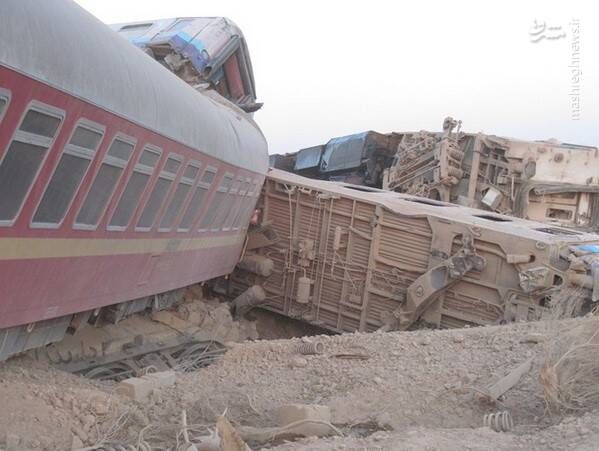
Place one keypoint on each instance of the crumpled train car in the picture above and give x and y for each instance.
(202, 51)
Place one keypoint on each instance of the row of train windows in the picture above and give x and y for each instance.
(32, 141)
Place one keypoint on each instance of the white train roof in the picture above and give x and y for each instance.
(61, 44)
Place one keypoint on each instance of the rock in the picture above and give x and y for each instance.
(533, 337)
(80, 433)
(88, 421)
(135, 388)
(299, 362)
(379, 435)
(458, 338)
(291, 413)
(423, 341)
(99, 406)
(76, 443)
(384, 420)
(162, 379)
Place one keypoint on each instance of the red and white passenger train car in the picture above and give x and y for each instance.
(117, 180)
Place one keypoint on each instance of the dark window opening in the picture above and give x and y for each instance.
(3, 102)
(191, 172)
(105, 183)
(38, 123)
(61, 189)
(17, 171)
(197, 200)
(99, 194)
(172, 165)
(149, 158)
(194, 206)
(67, 177)
(23, 158)
(558, 213)
(135, 188)
(175, 206)
(154, 202)
(129, 200)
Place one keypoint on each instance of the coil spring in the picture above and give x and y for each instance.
(310, 348)
(499, 421)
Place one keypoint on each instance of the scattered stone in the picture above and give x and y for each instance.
(136, 388)
(424, 340)
(99, 406)
(534, 337)
(162, 379)
(299, 362)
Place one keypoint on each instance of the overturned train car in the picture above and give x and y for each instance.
(548, 181)
(352, 258)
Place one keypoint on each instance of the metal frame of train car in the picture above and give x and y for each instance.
(109, 164)
(354, 258)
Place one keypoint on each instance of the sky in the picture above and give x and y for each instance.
(331, 68)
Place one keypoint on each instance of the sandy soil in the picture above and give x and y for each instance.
(411, 390)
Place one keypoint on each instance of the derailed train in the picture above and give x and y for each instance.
(547, 181)
(118, 181)
(353, 258)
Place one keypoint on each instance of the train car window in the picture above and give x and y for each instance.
(24, 157)
(74, 162)
(180, 195)
(38, 123)
(103, 186)
(216, 205)
(172, 165)
(191, 171)
(248, 201)
(197, 199)
(135, 187)
(236, 197)
(159, 192)
(3, 102)
(225, 207)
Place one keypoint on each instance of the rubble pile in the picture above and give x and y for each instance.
(398, 390)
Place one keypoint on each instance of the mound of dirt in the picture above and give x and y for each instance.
(401, 390)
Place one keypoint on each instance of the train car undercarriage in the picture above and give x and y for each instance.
(353, 258)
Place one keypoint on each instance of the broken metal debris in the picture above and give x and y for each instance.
(310, 348)
(499, 421)
(548, 181)
(509, 380)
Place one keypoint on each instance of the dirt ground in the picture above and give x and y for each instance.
(386, 391)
